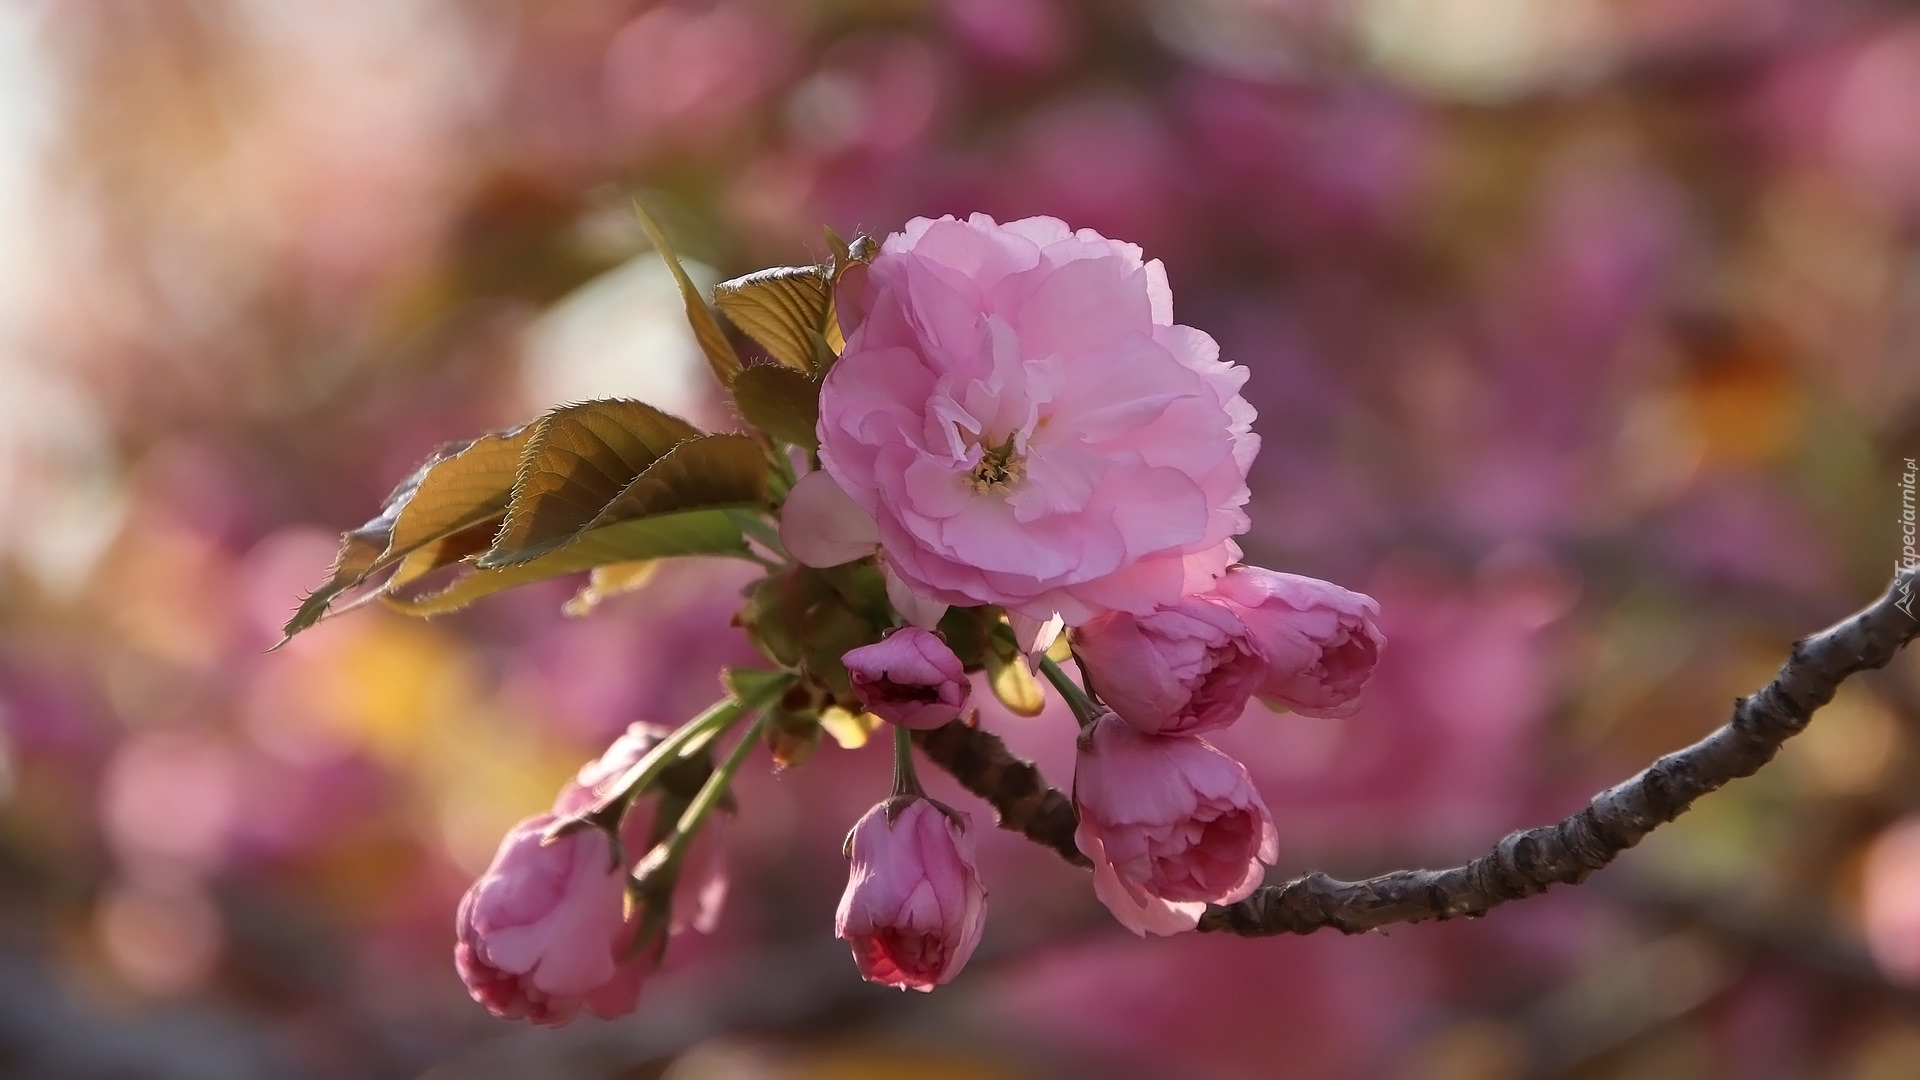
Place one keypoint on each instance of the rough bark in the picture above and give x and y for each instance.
(1523, 864)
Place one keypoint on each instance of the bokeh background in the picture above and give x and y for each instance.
(1583, 334)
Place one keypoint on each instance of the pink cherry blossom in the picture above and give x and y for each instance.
(1171, 825)
(910, 678)
(914, 906)
(700, 889)
(1321, 641)
(543, 931)
(1017, 420)
(1177, 670)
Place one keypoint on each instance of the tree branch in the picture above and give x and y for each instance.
(1523, 864)
(1025, 804)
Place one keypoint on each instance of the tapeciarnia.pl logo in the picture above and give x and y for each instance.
(1907, 556)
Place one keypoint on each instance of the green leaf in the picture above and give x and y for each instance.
(579, 459)
(781, 308)
(780, 401)
(692, 532)
(430, 519)
(706, 329)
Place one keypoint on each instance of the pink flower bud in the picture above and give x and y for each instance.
(910, 678)
(1180, 670)
(598, 777)
(700, 890)
(543, 931)
(914, 906)
(1171, 825)
(1320, 640)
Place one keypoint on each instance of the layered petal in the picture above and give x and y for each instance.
(1023, 425)
(1171, 824)
(910, 678)
(914, 907)
(1178, 670)
(543, 931)
(1321, 641)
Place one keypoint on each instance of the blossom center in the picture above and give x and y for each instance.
(1000, 469)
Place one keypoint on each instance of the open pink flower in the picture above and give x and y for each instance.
(700, 890)
(1171, 825)
(910, 678)
(1321, 641)
(543, 931)
(1017, 420)
(1177, 670)
(914, 906)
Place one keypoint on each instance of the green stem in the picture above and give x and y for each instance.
(715, 789)
(689, 739)
(905, 780)
(1084, 709)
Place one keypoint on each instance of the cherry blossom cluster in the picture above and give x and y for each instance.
(1020, 462)
(1017, 421)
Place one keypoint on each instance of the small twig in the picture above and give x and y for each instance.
(1523, 864)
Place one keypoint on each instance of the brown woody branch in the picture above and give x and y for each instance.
(1523, 864)
(1025, 804)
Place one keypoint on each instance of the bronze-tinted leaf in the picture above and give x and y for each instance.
(780, 401)
(693, 532)
(445, 551)
(1013, 683)
(781, 308)
(705, 471)
(580, 458)
(606, 582)
(706, 329)
(463, 486)
(469, 489)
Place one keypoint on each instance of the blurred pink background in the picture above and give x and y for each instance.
(1583, 334)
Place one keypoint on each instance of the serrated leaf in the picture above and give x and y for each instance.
(579, 459)
(693, 532)
(781, 308)
(705, 471)
(359, 550)
(1013, 683)
(442, 552)
(469, 489)
(780, 401)
(606, 582)
(462, 486)
(721, 358)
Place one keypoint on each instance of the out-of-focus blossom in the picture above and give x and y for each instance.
(1171, 825)
(1890, 900)
(914, 906)
(1020, 34)
(910, 678)
(1320, 640)
(1177, 670)
(1026, 426)
(685, 74)
(543, 931)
